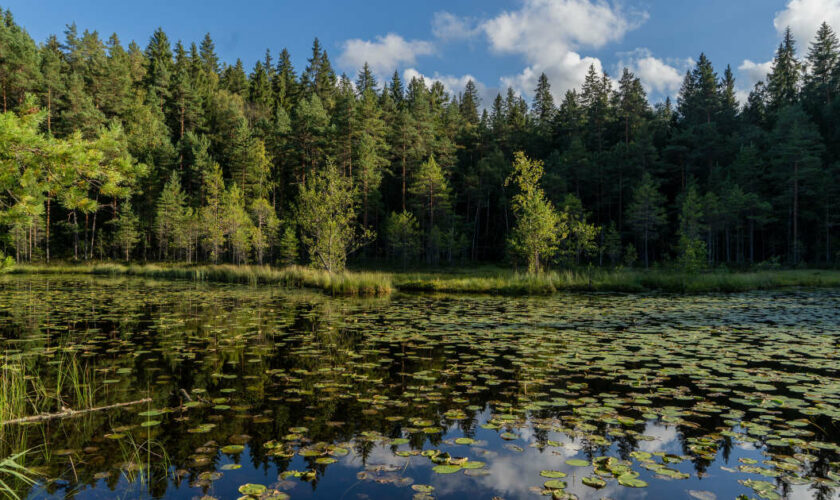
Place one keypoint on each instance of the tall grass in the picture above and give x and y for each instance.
(11, 471)
(14, 398)
(512, 283)
(367, 284)
(25, 392)
(480, 280)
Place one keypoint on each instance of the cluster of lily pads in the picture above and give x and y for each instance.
(446, 385)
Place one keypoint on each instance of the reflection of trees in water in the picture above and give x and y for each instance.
(306, 360)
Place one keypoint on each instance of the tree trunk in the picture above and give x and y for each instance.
(403, 178)
(49, 116)
(93, 230)
(47, 228)
(795, 212)
(365, 197)
(75, 236)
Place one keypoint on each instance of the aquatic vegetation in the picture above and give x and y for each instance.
(277, 392)
(12, 471)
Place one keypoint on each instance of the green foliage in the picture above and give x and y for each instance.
(535, 235)
(90, 123)
(288, 247)
(646, 213)
(126, 234)
(402, 233)
(326, 216)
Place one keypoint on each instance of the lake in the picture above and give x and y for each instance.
(257, 392)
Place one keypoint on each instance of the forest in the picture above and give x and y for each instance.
(165, 153)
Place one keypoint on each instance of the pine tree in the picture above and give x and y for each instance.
(823, 56)
(212, 213)
(543, 107)
(372, 149)
(797, 147)
(265, 227)
(209, 59)
(159, 68)
(691, 248)
(234, 80)
(237, 224)
(169, 214)
(365, 81)
(309, 125)
(783, 80)
(285, 83)
(288, 247)
(19, 62)
(646, 213)
(52, 66)
(126, 235)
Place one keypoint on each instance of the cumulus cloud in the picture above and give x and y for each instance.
(550, 34)
(659, 77)
(753, 72)
(447, 26)
(454, 84)
(384, 54)
(805, 16)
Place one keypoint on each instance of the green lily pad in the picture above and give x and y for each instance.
(446, 469)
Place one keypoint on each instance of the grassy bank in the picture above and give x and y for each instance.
(511, 283)
(367, 284)
(475, 280)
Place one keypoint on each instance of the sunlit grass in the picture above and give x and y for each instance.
(513, 283)
(476, 280)
(351, 283)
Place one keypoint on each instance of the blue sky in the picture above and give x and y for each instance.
(497, 43)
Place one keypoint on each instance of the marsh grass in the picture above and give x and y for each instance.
(513, 283)
(349, 283)
(13, 475)
(23, 392)
(471, 280)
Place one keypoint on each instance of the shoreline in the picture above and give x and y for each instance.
(477, 281)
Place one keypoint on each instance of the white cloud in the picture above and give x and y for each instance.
(447, 26)
(805, 16)
(658, 76)
(549, 34)
(385, 54)
(753, 72)
(567, 72)
(453, 84)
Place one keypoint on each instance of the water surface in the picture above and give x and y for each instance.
(421, 396)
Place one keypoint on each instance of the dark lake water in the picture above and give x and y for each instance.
(297, 395)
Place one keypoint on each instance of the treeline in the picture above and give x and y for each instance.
(167, 153)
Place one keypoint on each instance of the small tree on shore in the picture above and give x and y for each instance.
(534, 236)
(127, 234)
(326, 216)
(402, 232)
(289, 246)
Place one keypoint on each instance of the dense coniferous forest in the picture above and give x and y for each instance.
(163, 152)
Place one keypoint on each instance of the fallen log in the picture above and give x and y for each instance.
(71, 413)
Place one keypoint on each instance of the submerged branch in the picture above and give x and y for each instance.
(71, 413)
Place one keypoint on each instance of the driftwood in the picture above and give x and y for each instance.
(71, 413)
